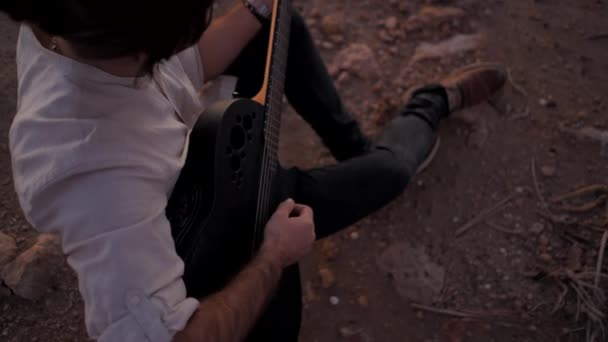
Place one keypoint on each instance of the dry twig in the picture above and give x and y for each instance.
(536, 186)
(585, 207)
(580, 192)
(447, 312)
(503, 229)
(485, 215)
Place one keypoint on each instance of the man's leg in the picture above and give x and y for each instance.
(372, 175)
(308, 88)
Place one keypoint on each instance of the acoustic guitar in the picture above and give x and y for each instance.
(230, 186)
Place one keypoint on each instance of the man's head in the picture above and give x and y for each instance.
(107, 29)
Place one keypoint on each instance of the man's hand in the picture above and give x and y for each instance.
(290, 233)
(229, 315)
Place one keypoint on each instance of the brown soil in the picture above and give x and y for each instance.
(557, 52)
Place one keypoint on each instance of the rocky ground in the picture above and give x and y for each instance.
(499, 240)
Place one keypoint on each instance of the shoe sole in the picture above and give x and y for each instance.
(429, 159)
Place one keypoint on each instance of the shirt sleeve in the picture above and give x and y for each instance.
(118, 240)
(191, 61)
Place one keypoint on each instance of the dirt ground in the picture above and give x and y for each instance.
(478, 248)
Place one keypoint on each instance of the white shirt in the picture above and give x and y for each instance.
(95, 158)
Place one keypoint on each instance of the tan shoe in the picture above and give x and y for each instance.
(474, 84)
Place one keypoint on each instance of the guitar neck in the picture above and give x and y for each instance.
(271, 97)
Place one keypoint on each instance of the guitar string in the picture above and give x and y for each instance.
(272, 128)
(260, 213)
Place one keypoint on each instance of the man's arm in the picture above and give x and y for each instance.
(226, 37)
(229, 315)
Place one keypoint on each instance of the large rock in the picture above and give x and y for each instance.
(357, 59)
(8, 249)
(415, 276)
(430, 15)
(33, 272)
(457, 44)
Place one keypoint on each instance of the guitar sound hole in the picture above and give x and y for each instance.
(235, 163)
(248, 123)
(237, 138)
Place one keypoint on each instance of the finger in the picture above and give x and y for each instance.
(285, 208)
(297, 210)
(306, 211)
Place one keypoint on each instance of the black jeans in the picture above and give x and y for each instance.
(369, 173)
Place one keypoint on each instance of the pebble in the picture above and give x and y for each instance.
(420, 314)
(334, 300)
(546, 257)
(391, 23)
(327, 45)
(329, 249)
(547, 103)
(543, 240)
(327, 277)
(362, 300)
(547, 171)
(487, 286)
(330, 25)
(348, 332)
(537, 228)
(354, 235)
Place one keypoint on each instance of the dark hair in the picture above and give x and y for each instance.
(105, 29)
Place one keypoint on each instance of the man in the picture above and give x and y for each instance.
(108, 93)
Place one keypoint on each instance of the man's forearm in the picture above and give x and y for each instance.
(230, 314)
(225, 38)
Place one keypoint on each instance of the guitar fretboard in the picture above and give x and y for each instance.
(273, 108)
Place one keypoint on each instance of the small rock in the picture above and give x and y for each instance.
(420, 314)
(575, 255)
(536, 228)
(334, 300)
(8, 249)
(330, 25)
(487, 286)
(329, 249)
(327, 277)
(362, 300)
(327, 45)
(354, 235)
(348, 332)
(543, 240)
(343, 78)
(547, 171)
(547, 103)
(546, 257)
(391, 23)
(33, 272)
(337, 38)
(359, 60)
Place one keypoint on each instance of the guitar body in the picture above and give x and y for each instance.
(213, 207)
